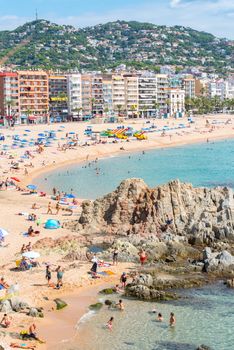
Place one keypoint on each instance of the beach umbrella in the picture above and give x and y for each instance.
(15, 179)
(27, 130)
(32, 187)
(31, 255)
(52, 224)
(70, 195)
(72, 133)
(3, 232)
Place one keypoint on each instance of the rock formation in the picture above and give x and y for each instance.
(200, 215)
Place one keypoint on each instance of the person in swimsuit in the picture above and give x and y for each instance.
(32, 333)
(110, 323)
(143, 257)
(115, 257)
(123, 279)
(172, 320)
(48, 274)
(120, 305)
(160, 317)
(49, 210)
(60, 273)
(6, 321)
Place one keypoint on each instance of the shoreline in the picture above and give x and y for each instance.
(105, 155)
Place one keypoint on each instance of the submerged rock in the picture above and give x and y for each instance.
(96, 306)
(204, 347)
(198, 215)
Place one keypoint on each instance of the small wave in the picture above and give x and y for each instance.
(85, 318)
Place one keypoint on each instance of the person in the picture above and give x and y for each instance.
(160, 317)
(48, 274)
(60, 273)
(29, 247)
(49, 210)
(30, 231)
(6, 321)
(95, 265)
(123, 279)
(117, 289)
(143, 256)
(115, 257)
(3, 283)
(23, 249)
(172, 320)
(54, 191)
(57, 208)
(33, 334)
(22, 346)
(110, 323)
(120, 305)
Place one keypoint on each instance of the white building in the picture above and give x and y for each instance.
(74, 94)
(176, 99)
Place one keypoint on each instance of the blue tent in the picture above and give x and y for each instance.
(52, 224)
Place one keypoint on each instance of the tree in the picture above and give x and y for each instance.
(27, 113)
(133, 109)
(156, 107)
(78, 110)
(93, 101)
(119, 108)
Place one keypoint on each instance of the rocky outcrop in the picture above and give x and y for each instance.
(217, 260)
(60, 304)
(197, 215)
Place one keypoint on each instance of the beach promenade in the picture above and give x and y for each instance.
(16, 205)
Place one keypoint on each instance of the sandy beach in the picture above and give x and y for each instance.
(77, 283)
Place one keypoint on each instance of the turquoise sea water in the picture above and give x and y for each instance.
(206, 164)
(204, 316)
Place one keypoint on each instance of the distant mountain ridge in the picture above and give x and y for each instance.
(42, 44)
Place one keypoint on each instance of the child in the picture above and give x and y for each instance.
(172, 319)
(160, 317)
(110, 323)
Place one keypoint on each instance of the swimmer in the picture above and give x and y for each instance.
(160, 317)
(120, 305)
(110, 323)
(172, 321)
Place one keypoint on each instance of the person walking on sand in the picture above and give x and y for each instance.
(172, 320)
(49, 210)
(123, 279)
(115, 257)
(110, 323)
(60, 273)
(48, 274)
(57, 208)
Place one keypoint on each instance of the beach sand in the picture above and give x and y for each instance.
(32, 283)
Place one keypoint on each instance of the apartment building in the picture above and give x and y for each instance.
(188, 85)
(162, 83)
(176, 99)
(107, 94)
(97, 101)
(147, 88)
(9, 96)
(131, 94)
(33, 95)
(86, 94)
(118, 94)
(58, 100)
(74, 95)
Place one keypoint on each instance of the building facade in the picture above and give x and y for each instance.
(58, 99)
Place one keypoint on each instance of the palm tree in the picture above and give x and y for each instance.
(119, 108)
(93, 101)
(106, 110)
(28, 112)
(156, 106)
(78, 110)
(133, 109)
(9, 104)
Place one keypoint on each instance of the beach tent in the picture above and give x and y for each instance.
(70, 195)
(52, 224)
(32, 187)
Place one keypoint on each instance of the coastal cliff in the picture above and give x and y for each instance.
(196, 215)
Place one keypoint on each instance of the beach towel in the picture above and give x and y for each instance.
(108, 272)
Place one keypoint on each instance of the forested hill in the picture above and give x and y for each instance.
(42, 44)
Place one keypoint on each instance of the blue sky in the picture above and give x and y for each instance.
(215, 16)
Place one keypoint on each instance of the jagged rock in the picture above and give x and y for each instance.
(107, 291)
(60, 304)
(199, 215)
(18, 305)
(33, 312)
(78, 254)
(230, 283)
(143, 292)
(217, 259)
(64, 243)
(204, 347)
(5, 306)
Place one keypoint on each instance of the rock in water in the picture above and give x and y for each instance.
(202, 215)
(204, 347)
(60, 304)
(96, 306)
